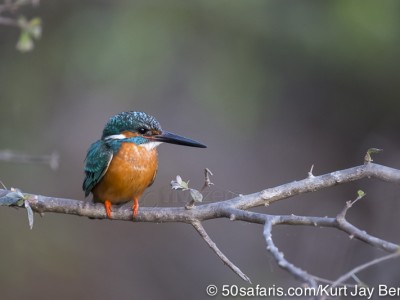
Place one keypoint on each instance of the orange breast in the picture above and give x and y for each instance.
(131, 171)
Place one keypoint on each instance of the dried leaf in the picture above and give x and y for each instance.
(207, 183)
(30, 214)
(196, 195)
(175, 185)
(179, 184)
(368, 157)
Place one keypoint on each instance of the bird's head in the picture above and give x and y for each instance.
(142, 129)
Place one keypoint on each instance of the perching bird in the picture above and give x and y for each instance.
(123, 163)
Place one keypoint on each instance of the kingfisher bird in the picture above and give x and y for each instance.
(123, 163)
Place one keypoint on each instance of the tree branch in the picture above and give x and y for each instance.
(200, 229)
(280, 258)
(236, 209)
(48, 159)
(217, 209)
(8, 21)
(362, 267)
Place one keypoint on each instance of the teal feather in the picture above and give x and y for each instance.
(97, 161)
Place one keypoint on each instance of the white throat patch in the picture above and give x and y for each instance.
(150, 145)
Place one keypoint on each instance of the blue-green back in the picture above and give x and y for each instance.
(97, 161)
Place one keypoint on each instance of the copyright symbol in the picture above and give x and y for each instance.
(211, 290)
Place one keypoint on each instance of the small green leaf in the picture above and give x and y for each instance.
(360, 193)
(185, 185)
(30, 214)
(368, 157)
(25, 42)
(196, 195)
(35, 27)
(374, 150)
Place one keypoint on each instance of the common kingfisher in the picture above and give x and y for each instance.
(123, 163)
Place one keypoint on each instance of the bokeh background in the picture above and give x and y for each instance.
(272, 87)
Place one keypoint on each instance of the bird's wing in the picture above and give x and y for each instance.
(97, 160)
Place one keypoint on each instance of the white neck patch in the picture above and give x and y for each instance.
(150, 145)
(116, 137)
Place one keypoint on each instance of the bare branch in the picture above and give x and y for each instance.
(8, 22)
(362, 267)
(316, 183)
(362, 235)
(200, 229)
(13, 6)
(49, 159)
(349, 204)
(280, 258)
(207, 182)
(340, 223)
(310, 173)
(344, 226)
(236, 209)
(217, 209)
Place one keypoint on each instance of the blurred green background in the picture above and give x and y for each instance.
(272, 87)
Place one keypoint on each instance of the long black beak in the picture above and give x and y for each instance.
(171, 138)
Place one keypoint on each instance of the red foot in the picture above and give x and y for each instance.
(135, 207)
(107, 205)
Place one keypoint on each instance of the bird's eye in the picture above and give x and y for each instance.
(142, 130)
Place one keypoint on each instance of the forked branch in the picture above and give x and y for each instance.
(236, 209)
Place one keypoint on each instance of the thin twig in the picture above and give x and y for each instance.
(207, 181)
(349, 204)
(362, 267)
(8, 21)
(355, 232)
(200, 229)
(310, 173)
(11, 156)
(330, 282)
(13, 6)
